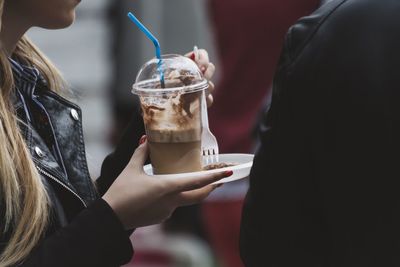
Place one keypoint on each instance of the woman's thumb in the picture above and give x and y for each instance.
(141, 153)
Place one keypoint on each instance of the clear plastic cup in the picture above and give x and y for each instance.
(172, 115)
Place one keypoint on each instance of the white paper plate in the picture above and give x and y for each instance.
(242, 170)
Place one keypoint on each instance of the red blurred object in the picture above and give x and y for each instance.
(249, 36)
(223, 223)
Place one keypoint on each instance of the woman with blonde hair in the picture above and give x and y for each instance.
(51, 212)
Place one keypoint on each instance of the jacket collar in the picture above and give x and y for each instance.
(26, 78)
(23, 73)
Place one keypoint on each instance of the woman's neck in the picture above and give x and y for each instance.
(13, 27)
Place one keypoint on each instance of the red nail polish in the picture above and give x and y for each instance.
(192, 56)
(228, 173)
(142, 139)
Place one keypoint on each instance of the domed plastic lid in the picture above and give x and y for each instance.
(181, 75)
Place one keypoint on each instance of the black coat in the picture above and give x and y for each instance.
(325, 185)
(83, 231)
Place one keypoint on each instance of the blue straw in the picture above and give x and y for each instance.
(155, 42)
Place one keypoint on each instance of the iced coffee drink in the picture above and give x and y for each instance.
(172, 115)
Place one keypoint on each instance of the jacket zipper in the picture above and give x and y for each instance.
(63, 185)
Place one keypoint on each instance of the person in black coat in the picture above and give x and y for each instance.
(324, 188)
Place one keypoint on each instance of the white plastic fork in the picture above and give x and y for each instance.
(209, 144)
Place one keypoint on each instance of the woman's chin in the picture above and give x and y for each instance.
(59, 22)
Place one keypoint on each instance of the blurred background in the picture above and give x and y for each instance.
(102, 52)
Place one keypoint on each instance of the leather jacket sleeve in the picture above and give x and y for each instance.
(114, 163)
(94, 238)
(324, 184)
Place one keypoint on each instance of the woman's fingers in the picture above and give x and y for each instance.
(210, 100)
(194, 182)
(203, 61)
(211, 87)
(210, 90)
(209, 71)
(139, 157)
(195, 196)
(200, 57)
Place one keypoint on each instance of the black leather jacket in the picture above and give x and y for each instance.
(83, 229)
(325, 185)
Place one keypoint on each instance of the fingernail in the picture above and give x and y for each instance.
(142, 139)
(192, 56)
(203, 69)
(228, 173)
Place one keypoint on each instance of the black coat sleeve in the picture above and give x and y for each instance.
(94, 238)
(114, 163)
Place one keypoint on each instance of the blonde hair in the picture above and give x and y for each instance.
(23, 197)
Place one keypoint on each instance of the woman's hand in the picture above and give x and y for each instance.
(200, 56)
(139, 199)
